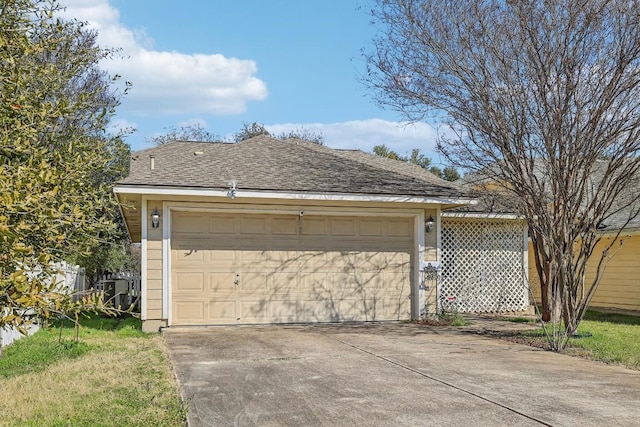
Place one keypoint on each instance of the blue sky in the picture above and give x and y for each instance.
(287, 64)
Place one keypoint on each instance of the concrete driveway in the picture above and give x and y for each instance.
(390, 375)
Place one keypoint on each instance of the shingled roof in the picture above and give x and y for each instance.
(263, 163)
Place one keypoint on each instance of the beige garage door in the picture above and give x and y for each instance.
(231, 269)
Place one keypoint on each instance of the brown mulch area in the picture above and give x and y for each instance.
(517, 337)
(434, 321)
(537, 342)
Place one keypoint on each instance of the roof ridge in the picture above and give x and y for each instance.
(268, 163)
(397, 166)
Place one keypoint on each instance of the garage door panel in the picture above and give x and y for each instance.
(221, 259)
(189, 252)
(222, 283)
(189, 224)
(253, 225)
(353, 309)
(312, 283)
(311, 261)
(222, 225)
(285, 283)
(341, 260)
(254, 310)
(373, 282)
(189, 281)
(400, 228)
(377, 263)
(286, 226)
(222, 311)
(314, 310)
(291, 269)
(189, 312)
(391, 309)
(372, 228)
(314, 226)
(253, 282)
(282, 258)
(284, 310)
(394, 261)
(251, 257)
(342, 227)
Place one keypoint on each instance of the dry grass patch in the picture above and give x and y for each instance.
(122, 378)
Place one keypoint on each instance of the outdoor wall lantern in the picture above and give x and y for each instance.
(155, 218)
(428, 225)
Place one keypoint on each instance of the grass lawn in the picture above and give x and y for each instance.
(115, 376)
(615, 338)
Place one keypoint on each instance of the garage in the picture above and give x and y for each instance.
(281, 231)
(252, 269)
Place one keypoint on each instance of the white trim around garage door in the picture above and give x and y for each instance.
(169, 207)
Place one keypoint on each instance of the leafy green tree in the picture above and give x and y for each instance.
(113, 258)
(384, 151)
(436, 171)
(449, 173)
(417, 158)
(185, 133)
(56, 160)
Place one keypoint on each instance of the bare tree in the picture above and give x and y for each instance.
(544, 96)
(303, 134)
(249, 130)
(195, 132)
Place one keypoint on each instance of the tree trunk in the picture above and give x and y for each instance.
(546, 294)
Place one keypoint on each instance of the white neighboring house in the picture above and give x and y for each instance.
(68, 278)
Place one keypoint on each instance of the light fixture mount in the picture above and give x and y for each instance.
(155, 218)
(428, 225)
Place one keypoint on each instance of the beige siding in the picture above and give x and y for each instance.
(620, 284)
(154, 264)
(154, 314)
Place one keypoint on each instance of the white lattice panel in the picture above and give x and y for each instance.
(483, 267)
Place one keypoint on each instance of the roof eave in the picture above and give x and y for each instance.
(151, 190)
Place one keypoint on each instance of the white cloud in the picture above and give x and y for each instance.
(169, 82)
(401, 137)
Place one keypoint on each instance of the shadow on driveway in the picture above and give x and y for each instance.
(389, 375)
